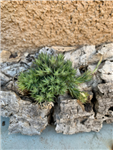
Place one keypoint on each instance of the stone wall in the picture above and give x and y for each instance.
(28, 25)
(68, 115)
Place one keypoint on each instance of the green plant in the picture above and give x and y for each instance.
(50, 76)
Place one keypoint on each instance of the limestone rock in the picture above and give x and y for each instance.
(71, 117)
(106, 50)
(4, 79)
(89, 55)
(29, 58)
(104, 98)
(107, 71)
(25, 117)
(12, 86)
(47, 50)
(13, 69)
(81, 56)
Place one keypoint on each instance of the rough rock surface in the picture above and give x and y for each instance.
(25, 117)
(4, 78)
(70, 116)
(107, 71)
(104, 104)
(89, 54)
(70, 121)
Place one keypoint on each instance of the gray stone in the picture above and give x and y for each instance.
(106, 50)
(104, 96)
(89, 55)
(70, 117)
(9, 103)
(4, 79)
(12, 70)
(28, 59)
(47, 50)
(104, 102)
(73, 57)
(107, 71)
(25, 117)
(80, 56)
(12, 86)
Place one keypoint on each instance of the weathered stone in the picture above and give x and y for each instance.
(81, 56)
(107, 71)
(4, 79)
(89, 55)
(12, 70)
(12, 86)
(25, 117)
(106, 50)
(70, 117)
(9, 103)
(29, 58)
(47, 50)
(104, 98)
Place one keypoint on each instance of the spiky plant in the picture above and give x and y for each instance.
(51, 76)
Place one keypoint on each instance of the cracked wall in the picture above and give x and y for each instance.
(28, 25)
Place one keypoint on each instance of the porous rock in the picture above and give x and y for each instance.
(106, 50)
(88, 55)
(107, 71)
(71, 117)
(80, 56)
(12, 86)
(13, 69)
(25, 117)
(4, 79)
(104, 104)
(47, 50)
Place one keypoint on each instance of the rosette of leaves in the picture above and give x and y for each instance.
(50, 76)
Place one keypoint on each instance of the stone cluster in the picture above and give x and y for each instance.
(70, 115)
(25, 117)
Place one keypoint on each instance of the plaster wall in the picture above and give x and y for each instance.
(28, 25)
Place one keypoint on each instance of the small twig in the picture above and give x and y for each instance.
(97, 65)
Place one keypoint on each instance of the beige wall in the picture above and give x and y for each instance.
(27, 25)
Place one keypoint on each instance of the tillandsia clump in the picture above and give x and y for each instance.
(50, 76)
